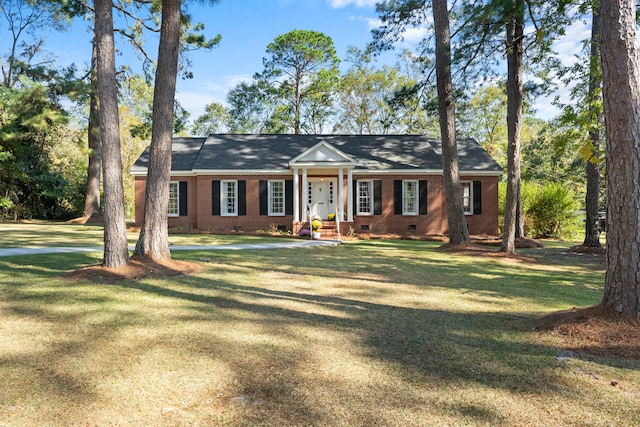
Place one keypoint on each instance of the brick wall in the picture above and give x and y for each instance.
(199, 213)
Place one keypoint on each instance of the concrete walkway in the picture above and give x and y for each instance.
(292, 244)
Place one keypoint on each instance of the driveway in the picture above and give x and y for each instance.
(250, 246)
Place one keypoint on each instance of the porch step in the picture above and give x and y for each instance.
(329, 231)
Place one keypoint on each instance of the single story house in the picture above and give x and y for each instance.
(370, 183)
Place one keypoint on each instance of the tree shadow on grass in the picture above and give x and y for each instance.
(429, 343)
(419, 348)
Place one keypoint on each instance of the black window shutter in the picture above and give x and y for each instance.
(422, 184)
(377, 197)
(477, 197)
(288, 197)
(397, 197)
(264, 198)
(182, 194)
(356, 208)
(242, 198)
(215, 197)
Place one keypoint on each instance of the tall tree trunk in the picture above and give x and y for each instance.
(92, 194)
(116, 252)
(519, 216)
(592, 224)
(515, 33)
(458, 231)
(621, 95)
(153, 241)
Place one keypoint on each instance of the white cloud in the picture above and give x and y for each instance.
(414, 35)
(568, 48)
(411, 36)
(570, 45)
(337, 4)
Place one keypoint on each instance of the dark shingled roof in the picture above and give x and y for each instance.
(273, 152)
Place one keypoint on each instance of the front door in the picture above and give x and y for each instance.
(321, 194)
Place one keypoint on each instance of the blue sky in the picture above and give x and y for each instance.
(248, 26)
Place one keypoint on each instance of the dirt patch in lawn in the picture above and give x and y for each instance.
(136, 269)
(593, 331)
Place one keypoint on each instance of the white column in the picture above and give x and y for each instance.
(349, 195)
(296, 201)
(305, 198)
(340, 193)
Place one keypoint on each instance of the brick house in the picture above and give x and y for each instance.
(371, 183)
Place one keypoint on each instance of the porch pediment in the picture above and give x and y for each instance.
(322, 155)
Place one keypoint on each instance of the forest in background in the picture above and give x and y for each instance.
(44, 117)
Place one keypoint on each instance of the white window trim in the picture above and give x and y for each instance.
(416, 204)
(175, 184)
(224, 211)
(371, 197)
(470, 185)
(270, 197)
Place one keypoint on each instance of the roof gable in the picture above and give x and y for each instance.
(321, 155)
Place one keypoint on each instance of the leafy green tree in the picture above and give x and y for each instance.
(32, 118)
(135, 104)
(28, 23)
(582, 121)
(519, 25)
(483, 118)
(303, 67)
(361, 97)
(213, 120)
(30, 124)
(380, 101)
(255, 108)
(396, 17)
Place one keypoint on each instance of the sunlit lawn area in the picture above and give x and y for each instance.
(367, 333)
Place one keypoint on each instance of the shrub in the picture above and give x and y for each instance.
(550, 211)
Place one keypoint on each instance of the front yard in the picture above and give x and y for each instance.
(380, 332)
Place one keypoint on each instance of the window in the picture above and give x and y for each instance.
(229, 195)
(467, 197)
(365, 197)
(174, 199)
(276, 197)
(330, 192)
(410, 197)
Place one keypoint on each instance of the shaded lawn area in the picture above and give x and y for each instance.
(366, 333)
(56, 234)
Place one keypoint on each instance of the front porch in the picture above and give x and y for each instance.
(322, 185)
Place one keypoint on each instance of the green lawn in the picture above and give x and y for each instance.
(43, 234)
(376, 332)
